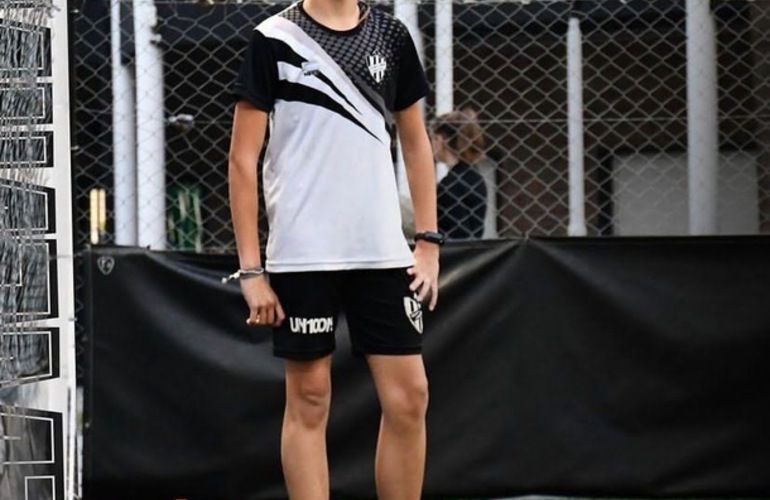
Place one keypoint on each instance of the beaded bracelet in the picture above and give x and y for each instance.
(249, 272)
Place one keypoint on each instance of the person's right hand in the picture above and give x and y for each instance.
(264, 307)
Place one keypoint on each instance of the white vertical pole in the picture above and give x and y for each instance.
(702, 125)
(150, 128)
(406, 12)
(62, 391)
(444, 57)
(123, 137)
(577, 218)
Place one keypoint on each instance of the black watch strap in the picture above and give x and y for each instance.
(430, 237)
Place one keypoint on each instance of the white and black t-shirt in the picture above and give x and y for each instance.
(329, 179)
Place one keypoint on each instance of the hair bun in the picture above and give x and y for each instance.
(462, 132)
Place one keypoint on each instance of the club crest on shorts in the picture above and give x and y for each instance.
(377, 67)
(413, 313)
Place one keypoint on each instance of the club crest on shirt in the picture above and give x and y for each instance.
(377, 66)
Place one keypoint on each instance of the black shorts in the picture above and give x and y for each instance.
(382, 314)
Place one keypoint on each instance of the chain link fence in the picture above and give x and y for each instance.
(511, 64)
(583, 108)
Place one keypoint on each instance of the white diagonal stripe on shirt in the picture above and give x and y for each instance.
(282, 29)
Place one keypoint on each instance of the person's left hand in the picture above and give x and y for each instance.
(425, 272)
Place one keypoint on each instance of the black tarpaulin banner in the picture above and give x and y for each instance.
(580, 367)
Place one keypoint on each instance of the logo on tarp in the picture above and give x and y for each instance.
(414, 313)
(105, 264)
(377, 67)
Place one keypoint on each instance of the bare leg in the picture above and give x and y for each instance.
(303, 440)
(402, 388)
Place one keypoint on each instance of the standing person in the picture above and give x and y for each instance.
(335, 79)
(462, 193)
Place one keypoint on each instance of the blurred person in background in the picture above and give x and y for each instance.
(462, 193)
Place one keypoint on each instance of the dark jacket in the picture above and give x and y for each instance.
(462, 203)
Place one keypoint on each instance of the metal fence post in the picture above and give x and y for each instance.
(702, 124)
(444, 57)
(123, 136)
(577, 217)
(150, 128)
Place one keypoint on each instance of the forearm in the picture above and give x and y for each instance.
(421, 176)
(248, 135)
(244, 207)
(418, 160)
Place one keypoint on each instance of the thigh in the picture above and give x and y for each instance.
(383, 315)
(311, 303)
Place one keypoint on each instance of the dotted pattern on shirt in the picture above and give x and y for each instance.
(381, 34)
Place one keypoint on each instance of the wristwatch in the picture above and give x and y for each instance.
(430, 237)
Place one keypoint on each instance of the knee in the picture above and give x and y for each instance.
(308, 401)
(405, 407)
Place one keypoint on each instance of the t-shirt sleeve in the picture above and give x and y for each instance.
(258, 77)
(412, 85)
